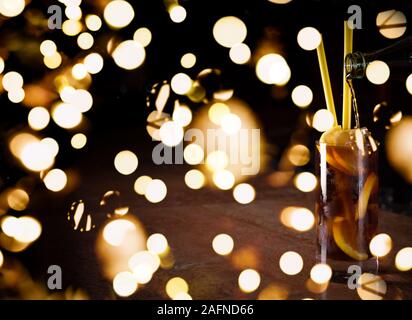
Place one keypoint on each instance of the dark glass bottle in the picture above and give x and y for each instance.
(397, 55)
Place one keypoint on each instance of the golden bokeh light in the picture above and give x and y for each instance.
(12, 8)
(291, 263)
(48, 48)
(176, 286)
(72, 27)
(177, 13)
(143, 36)
(82, 99)
(54, 61)
(223, 244)
(240, 53)
(73, 12)
(305, 182)
(273, 69)
(12, 81)
(280, 1)
(302, 219)
(66, 115)
(115, 232)
(144, 264)
(408, 83)
(188, 60)
(2, 65)
(18, 199)
(51, 145)
(126, 162)
(157, 244)
(229, 31)
(249, 280)
(183, 296)
(217, 112)
(19, 141)
(193, 154)
(195, 179)
(223, 179)
(372, 287)
(274, 291)
(85, 41)
(25, 229)
(79, 71)
(302, 96)
(231, 123)
(244, 193)
(156, 191)
(93, 63)
(403, 259)
(182, 115)
(217, 160)
(38, 118)
(78, 141)
(124, 284)
(55, 180)
(93, 22)
(1, 259)
(377, 72)
(171, 133)
(321, 273)
(309, 38)
(129, 55)
(17, 95)
(118, 14)
(322, 120)
(181, 83)
(391, 23)
(37, 156)
(380, 245)
(298, 155)
(141, 184)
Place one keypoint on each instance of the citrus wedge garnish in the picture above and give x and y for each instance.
(365, 195)
(344, 238)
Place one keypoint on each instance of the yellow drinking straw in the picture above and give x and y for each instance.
(326, 81)
(347, 96)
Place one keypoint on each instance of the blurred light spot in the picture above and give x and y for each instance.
(72, 27)
(240, 53)
(194, 179)
(182, 115)
(85, 41)
(181, 83)
(177, 14)
(53, 61)
(372, 287)
(182, 296)
(118, 14)
(11, 8)
(249, 280)
(79, 71)
(322, 120)
(157, 244)
(18, 199)
(93, 22)
(150, 263)
(305, 181)
(291, 263)
(403, 259)
(78, 141)
(280, 1)
(224, 179)
(38, 118)
(82, 99)
(9, 225)
(274, 292)
(273, 69)
(188, 60)
(55, 180)
(218, 111)
(129, 55)
(156, 191)
(2, 64)
(1, 259)
(115, 232)
(143, 36)
(309, 38)
(408, 83)
(126, 162)
(66, 115)
(17, 95)
(231, 123)
(380, 245)
(51, 145)
(93, 63)
(141, 184)
(73, 12)
(171, 133)
(391, 23)
(377, 72)
(193, 154)
(229, 31)
(19, 141)
(320, 273)
(176, 286)
(217, 160)
(223, 244)
(124, 284)
(12, 81)
(27, 229)
(299, 155)
(244, 193)
(301, 219)
(37, 156)
(48, 48)
(302, 96)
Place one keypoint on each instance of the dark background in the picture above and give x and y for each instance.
(118, 117)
